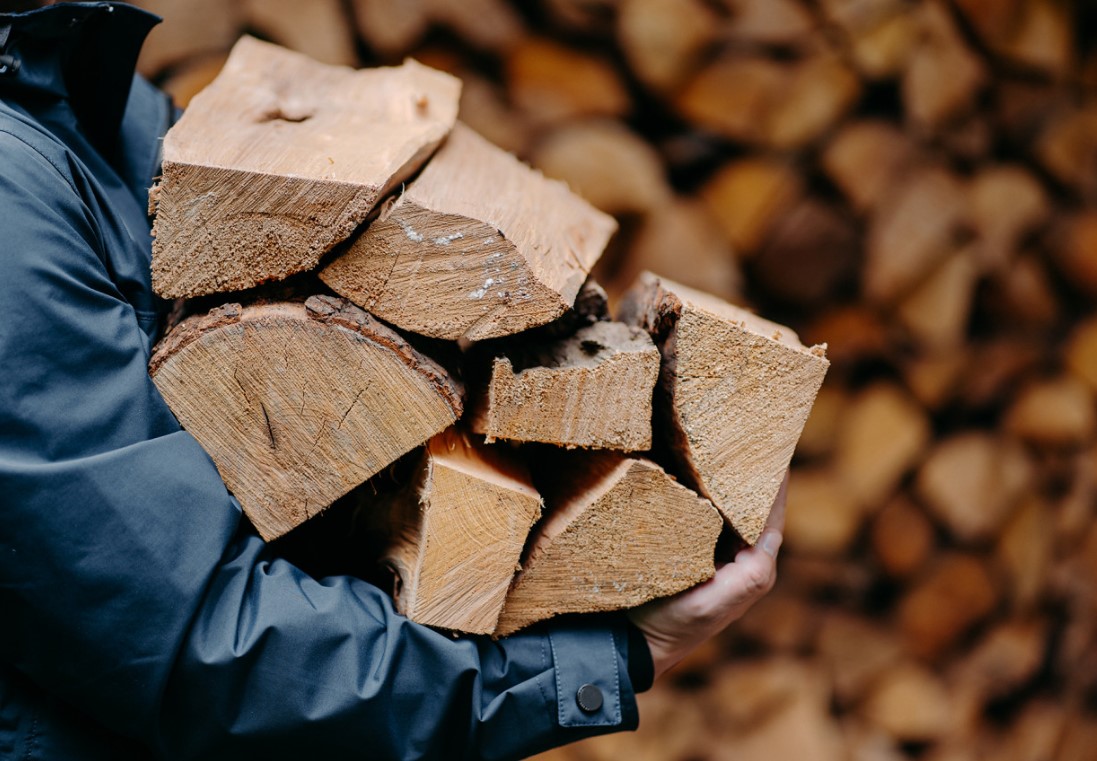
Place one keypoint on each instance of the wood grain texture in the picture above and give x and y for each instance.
(593, 389)
(734, 393)
(619, 532)
(458, 533)
(478, 246)
(280, 159)
(297, 403)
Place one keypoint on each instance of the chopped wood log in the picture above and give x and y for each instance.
(1024, 551)
(955, 595)
(1054, 412)
(456, 535)
(1023, 295)
(1081, 352)
(910, 703)
(820, 91)
(319, 29)
(999, 366)
(468, 249)
(492, 25)
(747, 196)
(485, 110)
(593, 389)
(972, 481)
(820, 434)
(769, 22)
(1005, 203)
(857, 652)
(932, 377)
(811, 254)
(880, 33)
(902, 538)
(735, 392)
(619, 532)
(1067, 147)
(1004, 660)
(943, 75)
(191, 28)
(607, 164)
(914, 230)
(853, 334)
(937, 311)
(780, 621)
(391, 27)
(823, 517)
(553, 82)
(1028, 32)
(265, 172)
(664, 40)
(866, 159)
(682, 236)
(1075, 249)
(192, 77)
(299, 403)
(883, 436)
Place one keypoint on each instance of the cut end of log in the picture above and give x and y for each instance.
(265, 172)
(299, 403)
(620, 532)
(720, 364)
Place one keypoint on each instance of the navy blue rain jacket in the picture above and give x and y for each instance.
(140, 615)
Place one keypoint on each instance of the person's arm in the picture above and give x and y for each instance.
(132, 588)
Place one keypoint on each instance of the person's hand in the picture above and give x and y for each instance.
(676, 625)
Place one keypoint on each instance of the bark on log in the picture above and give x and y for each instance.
(266, 171)
(457, 533)
(299, 403)
(619, 532)
(593, 389)
(478, 246)
(735, 392)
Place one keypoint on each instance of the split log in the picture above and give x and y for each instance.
(1005, 203)
(780, 621)
(972, 481)
(1081, 352)
(193, 77)
(457, 533)
(735, 392)
(265, 172)
(770, 22)
(1067, 147)
(866, 159)
(191, 28)
(854, 334)
(299, 403)
(553, 82)
(823, 518)
(933, 377)
(820, 432)
(1074, 248)
(1054, 412)
(484, 108)
(1024, 551)
(956, 594)
(664, 40)
(607, 164)
(391, 27)
(937, 311)
(1004, 660)
(748, 196)
(902, 538)
(593, 389)
(914, 230)
(1023, 295)
(858, 652)
(1028, 32)
(883, 436)
(910, 703)
(319, 29)
(619, 532)
(880, 33)
(478, 246)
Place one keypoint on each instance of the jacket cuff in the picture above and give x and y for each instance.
(641, 667)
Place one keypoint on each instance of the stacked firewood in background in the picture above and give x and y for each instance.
(913, 183)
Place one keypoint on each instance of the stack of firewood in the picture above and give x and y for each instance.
(913, 182)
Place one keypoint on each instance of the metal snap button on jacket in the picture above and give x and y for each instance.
(589, 698)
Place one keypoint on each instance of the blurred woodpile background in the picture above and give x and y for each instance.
(912, 182)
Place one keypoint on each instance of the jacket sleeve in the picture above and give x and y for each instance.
(132, 587)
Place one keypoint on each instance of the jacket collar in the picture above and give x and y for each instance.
(83, 52)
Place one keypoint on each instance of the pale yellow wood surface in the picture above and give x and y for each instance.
(299, 403)
(478, 246)
(593, 389)
(734, 393)
(458, 533)
(283, 157)
(619, 532)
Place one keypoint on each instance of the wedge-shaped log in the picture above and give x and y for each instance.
(299, 403)
(457, 533)
(734, 393)
(593, 389)
(280, 159)
(479, 246)
(620, 532)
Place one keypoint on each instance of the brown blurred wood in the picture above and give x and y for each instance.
(932, 376)
(823, 517)
(1028, 32)
(320, 29)
(193, 76)
(457, 532)
(955, 594)
(854, 333)
(910, 703)
(1005, 659)
(937, 311)
(1074, 248)
(553, 82)
(1053, 412)
(883, 436)
(191, 28)
(664, 40)
(263, 174)
(606, 163)
(1081, 352)
(902, 538)
(770, 22)
(299, 403)
(1005, 202)
(866, 159)
(707, 381)
(391, 27)
(618, 532)
(485, 109)
(880, 33)
(1067, 147)
(858, 653)
(1023, 295)
(820, 434)
(592, 389)
(477, 246)
(748, 196)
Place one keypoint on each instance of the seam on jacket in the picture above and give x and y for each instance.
(544, 666)
(47, 159)
(32, 739)
(559, 687)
